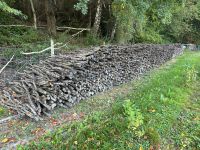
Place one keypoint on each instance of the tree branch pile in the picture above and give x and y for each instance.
(64, 80)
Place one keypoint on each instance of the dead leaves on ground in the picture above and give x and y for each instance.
(7, 140)
(38, 132)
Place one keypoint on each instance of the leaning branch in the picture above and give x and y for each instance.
(6, 64)
(65, 45)
(77, 33)
(30, 53)
(72, 28)
(9, 118)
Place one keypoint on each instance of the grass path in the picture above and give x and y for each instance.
(160, 111)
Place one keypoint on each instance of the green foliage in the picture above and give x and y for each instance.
(91, 40)
(128, 13)
(134, 116)
(149, 35)
(157, 21)
(191, 74)
(121, 10)
(185, 23)
(2, 111)
(82, 6)
(20, 35)
(5, 8)
(153, 136)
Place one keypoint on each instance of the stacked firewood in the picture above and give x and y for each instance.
(64, 80)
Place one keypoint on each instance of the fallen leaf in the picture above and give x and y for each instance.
(98, 143)
(151, 110)
(151, 148)
(12, 139)
(81, 115)
(145, 137)
(54, 122)
(130, 145)
(141, 148)
(5, 140)
(38, 131)
(196, 119)
(75, 142)
(90, 139)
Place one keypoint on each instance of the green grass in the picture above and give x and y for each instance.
(20, 35)
(2, 111)
(148, 117)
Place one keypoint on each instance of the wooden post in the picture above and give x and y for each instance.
(52, 48)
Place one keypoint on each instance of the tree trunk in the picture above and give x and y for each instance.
(51, 19)
(113, 31)
(97, 18)
(34, 14)
(90, 17)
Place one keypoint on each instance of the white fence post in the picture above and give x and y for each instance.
(52, 48)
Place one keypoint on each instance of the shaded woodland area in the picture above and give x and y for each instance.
(121, 21)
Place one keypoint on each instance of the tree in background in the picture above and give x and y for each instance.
(82, 5)
(136, 21)
(130, 18)
(185, 26)
(34, 14)
(50, 16)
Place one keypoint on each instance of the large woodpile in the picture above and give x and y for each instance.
(66, 79)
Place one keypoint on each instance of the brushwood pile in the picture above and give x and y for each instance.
(64, 80)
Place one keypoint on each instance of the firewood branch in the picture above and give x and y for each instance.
(6, 64)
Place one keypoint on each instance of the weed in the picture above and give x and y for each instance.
(2, 111)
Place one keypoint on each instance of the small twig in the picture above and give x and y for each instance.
(6, 64)
(9, 118)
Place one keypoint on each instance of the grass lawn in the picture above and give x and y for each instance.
(163, 112)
